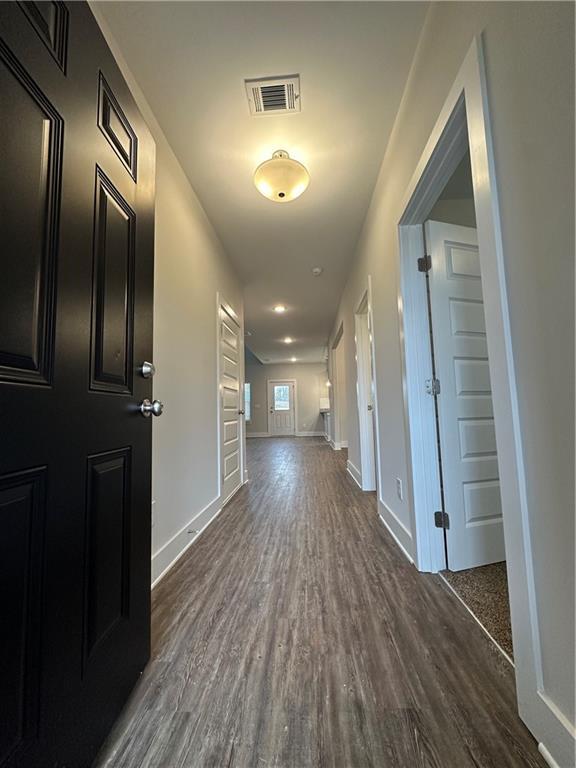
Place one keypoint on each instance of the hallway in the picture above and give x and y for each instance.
(294, 633)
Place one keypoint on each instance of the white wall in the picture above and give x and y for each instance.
(190, 268)
(454, 212)
(310, 387)
(529, 51)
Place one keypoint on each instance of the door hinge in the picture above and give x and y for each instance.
(424, 263)
(433, 387)
(441, 520)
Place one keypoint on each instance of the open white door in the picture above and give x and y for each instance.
(365, 399)
(230, 389)
(281, 408)
(466, 420)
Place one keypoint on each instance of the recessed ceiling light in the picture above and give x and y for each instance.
(281, 179)
(279, 308)
(292, 359)
(288, 340)
(317, 271)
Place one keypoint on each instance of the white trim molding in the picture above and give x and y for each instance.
(296, 434)
(354, 473)
(547, 756)
(399, 531)
(393, 531)
(165, 558)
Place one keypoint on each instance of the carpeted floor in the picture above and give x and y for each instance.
(485, 591)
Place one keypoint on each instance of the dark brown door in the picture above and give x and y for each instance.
(76, 280)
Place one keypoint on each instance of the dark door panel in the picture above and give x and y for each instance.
(76, 235)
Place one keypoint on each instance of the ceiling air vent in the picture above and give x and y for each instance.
(273, 95)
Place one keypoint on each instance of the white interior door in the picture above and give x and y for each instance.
(365, 401)
(281, 408)
(339, 395)
(466, 420)
(230, 392)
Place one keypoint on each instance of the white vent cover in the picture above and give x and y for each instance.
(273, 95)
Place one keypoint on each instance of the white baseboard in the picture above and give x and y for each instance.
(231, 495)
(170, 552)
(294, 434)
(396, 529)
(547, 756)
(343, 443)
(354, 473)
(309, 434)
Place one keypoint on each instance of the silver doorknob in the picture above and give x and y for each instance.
(369, 407)
(147, 370)
(148, 408)
(240, 413)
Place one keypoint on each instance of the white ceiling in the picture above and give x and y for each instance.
(191, 59)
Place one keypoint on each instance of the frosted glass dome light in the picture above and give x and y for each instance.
(281, 179)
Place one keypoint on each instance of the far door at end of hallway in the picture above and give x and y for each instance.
(281, 408)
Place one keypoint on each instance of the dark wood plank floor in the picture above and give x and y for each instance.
(295, 634)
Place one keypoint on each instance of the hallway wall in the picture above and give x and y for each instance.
(310, 387)
(190, 268)
(529, 66)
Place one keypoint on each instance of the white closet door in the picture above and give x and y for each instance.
(467, 438)
(230, 417)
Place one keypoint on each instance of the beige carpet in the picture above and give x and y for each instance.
(485, 591)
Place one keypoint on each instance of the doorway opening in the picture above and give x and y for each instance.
(467, 475)
(281, 407)
(468, 513)
(471, 505)
(365, 396)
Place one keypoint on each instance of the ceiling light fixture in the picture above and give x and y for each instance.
(281, 179)
(288, 340)
(292, 359)
(316, 271)
(279, 308)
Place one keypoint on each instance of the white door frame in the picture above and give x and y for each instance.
(464, 120)
(222, 303)
(269, 404)
(365, 376)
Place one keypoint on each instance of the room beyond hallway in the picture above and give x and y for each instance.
(295, 633)
(484, 591)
